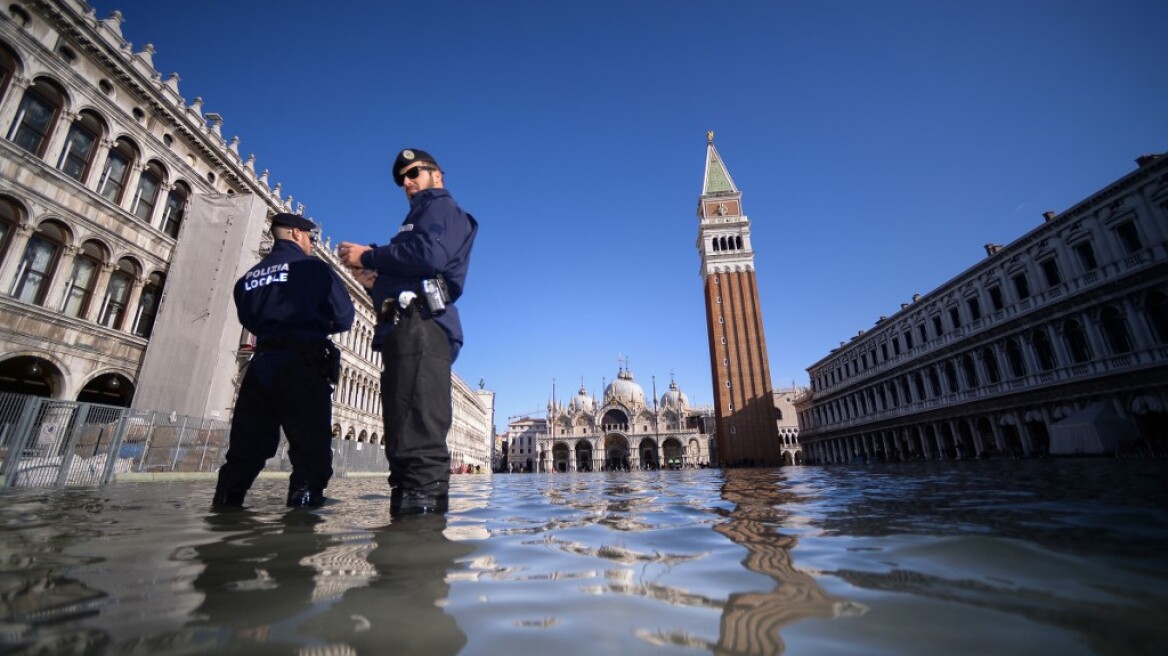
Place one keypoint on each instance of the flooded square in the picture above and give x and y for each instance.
(1058, 556)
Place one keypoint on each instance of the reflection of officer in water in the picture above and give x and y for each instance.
(399, 611)
(291, 302)
(257, 581)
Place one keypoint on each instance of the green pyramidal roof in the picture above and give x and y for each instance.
(717, 177)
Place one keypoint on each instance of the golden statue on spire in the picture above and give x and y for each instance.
(710, 137)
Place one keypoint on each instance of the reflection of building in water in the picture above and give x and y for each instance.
(751, 620)
(1055, 343)
(125, 219)
(622, 431)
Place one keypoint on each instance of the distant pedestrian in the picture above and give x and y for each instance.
(291, 301)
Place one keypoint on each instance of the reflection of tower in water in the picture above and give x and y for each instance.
(751, 620)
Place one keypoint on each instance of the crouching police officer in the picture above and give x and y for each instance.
(291, 301)
(414, 281)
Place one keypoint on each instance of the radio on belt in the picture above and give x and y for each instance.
(434, 291)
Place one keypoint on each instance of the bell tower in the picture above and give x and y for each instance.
(739, 366)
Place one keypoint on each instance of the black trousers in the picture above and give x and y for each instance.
(281, 389)
(416, 403)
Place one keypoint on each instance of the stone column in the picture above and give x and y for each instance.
(93, 312)
(12, 260)
(130, 191)
(100, 159)
(55, 296)
(12, 99)
(132, 301)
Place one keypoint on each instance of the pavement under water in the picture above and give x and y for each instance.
(1018, 557)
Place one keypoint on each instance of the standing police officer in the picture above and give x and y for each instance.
(414, 281)
(291, 301)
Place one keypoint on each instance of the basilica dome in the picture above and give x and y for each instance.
(674, 399)
(581, 402)
(625, 390)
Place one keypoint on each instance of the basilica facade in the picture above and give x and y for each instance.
(622, 432)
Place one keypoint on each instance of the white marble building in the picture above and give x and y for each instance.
(623, 432)
(125, 218)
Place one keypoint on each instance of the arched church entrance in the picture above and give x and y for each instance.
(674, 453)
(616, 453)
(583, 456)
(648, 451)
(560, 457)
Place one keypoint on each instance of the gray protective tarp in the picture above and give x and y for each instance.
(190, 363)
(1094, 430)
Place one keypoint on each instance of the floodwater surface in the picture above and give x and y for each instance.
(1009, 557)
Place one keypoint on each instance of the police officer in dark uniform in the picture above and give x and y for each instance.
(291, 301)
(414, 281)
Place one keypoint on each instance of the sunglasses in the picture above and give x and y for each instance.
(413, 173)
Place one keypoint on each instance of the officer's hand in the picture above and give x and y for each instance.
(365, 277)
(351, 253)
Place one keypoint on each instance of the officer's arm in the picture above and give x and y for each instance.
(340, 303)
(420, 252)
(243, 310)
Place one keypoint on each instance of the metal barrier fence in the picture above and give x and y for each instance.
(51, 443)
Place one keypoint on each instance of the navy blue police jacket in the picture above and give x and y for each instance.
(291, 295)
(435, 238)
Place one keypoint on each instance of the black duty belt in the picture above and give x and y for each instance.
(290, 344)
(392, 311)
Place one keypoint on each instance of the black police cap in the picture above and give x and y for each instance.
(406, 157)
(293, 221)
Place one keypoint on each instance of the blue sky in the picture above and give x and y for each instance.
(878, 146)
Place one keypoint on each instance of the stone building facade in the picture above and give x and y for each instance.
(125, 218)
(1055, 343)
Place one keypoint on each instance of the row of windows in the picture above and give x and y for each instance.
(40, 280)
(727, 243)
(81, 155)
(939, 324)
(359, 392)
(1106, 334)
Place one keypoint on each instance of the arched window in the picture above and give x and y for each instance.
(148, 305)
(1115, 329)
(117, 294)
(117, 170)
(951, 377)
(7, 69)
(1156, 306)
(147, 196)
(990, 360)
(9, 218)
(1015, 358)
(40, 258)
(934, 381)
(970, 372)
(80, 145)
(36, 116)
(176, 205)
(1076, 341)
(1042, 349)
(79, 289)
